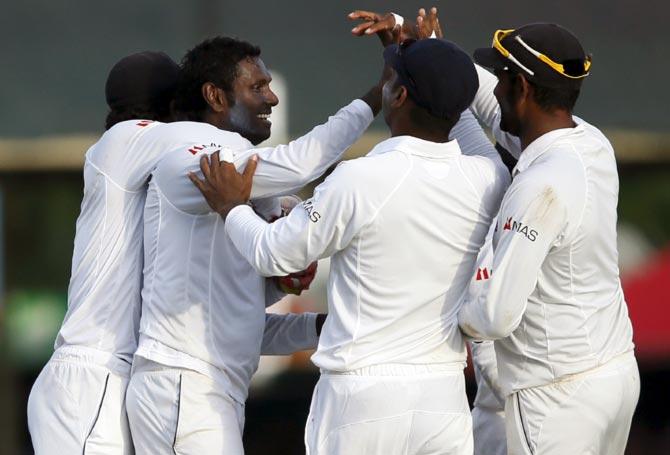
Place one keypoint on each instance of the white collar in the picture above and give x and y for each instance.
(415, 146)
(543, 143)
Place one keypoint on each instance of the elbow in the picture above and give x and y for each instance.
(493, 330)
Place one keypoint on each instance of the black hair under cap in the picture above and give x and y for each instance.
(144, 78)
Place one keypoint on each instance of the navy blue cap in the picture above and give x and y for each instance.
(439, 76)
(142, 78)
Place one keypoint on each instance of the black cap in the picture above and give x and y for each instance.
(141, 79)
(439, 76)
(552, 40)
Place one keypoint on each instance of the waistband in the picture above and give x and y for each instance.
(158, 353)
(90, 356)
(611, 365)
(402, 369)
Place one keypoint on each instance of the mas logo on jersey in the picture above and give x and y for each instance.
(313, 215)
(144, 123)
(519, 227)
(483, 274)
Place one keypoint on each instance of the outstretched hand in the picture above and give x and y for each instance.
(223, 187)
(384, 25)
(428, 24)
(389, 31)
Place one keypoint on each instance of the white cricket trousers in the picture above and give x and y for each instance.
(182, 412)
(390, 409)
(589, 413)
(77, 404)
(488, 431)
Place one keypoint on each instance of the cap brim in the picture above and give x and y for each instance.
(488, 57)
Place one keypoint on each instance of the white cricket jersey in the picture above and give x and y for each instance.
(403, 225)
(202, 303)
(554, 302)
(489, 395)
(104, 293)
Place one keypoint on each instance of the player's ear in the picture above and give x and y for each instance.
(523, 87)
(399, 96)
(215, 97)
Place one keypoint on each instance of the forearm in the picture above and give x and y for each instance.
(283, 169)
(288, 333)
(486, 108)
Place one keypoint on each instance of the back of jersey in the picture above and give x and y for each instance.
(104, 292)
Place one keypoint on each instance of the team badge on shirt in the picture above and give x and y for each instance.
(521, 228)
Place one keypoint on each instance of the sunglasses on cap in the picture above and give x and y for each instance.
(499, 35)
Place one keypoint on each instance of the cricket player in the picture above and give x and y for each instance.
(203, 305)
(488, 421)
(77, 403)
(403, 226)
(554, 303)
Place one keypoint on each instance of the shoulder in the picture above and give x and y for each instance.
(373, 171)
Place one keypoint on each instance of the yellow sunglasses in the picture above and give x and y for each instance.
(499, 35)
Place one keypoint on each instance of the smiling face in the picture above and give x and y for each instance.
(249, 114)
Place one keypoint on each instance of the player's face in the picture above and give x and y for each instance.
(505, 94)
(253, 101)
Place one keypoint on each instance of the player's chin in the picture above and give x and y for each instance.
(263, 128)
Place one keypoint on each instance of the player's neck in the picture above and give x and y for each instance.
(542, 123)
(426, 134)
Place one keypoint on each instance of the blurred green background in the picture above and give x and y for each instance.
(55, 58)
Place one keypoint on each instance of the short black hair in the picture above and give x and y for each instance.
(160, 111)
(549, 99)
(214, 60)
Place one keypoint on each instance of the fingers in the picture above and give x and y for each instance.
(380, 27)
(200, 184)
(205, 167)
(360, 29)
(365, 15)
(250, 168)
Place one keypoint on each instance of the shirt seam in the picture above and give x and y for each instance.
(108, 177)
(579, 223)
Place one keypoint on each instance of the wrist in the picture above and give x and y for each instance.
(225, 209)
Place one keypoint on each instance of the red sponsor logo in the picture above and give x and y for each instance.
(144, 123)
(517, 226)
(483, 274)
(209, 148)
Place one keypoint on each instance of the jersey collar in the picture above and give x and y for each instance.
(543, 143)
(416, 146)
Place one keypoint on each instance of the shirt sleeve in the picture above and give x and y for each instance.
(530, 222)
(486, 109)
(281, 169)
(486, 366)
(272, 292)
(317, 228)
(288, 333)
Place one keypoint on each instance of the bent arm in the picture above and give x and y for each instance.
(288, 333)
(317, 228)
(486, 108)
(281, 169)
(529, 223)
